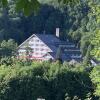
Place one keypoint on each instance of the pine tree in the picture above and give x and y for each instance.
(59, 54)
(87, 57)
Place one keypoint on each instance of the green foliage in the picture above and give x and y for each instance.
(95, 77)
(87, 58)
(8, 61)
(31, 6)
(84, 44)
(59, 53)
(28, 7)
(95, 41)
(8, 48)
(22, 80)
(80, 21)
(47, 80)
(67, 1)
(68, 19)
(4, 2)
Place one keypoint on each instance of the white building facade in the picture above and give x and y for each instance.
(38, 50)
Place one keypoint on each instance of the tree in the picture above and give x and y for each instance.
(59, 54)
(8, 48)
(87, 58)
(28, 53)
(47, 80)
(95, 77)
(95, 41)
(31, 6)
(85, 42)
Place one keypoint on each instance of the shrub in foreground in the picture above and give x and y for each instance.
(51, 81)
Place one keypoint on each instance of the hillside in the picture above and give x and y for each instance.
(30, 79)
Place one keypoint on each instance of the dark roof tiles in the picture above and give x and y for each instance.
(50, 39)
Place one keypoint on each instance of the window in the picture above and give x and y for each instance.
(42, 53)
(42, 45)
(31, 44)
(36, 53)
(37, 44)
(37, 49)
(41, 49)
(32, 39)
(36, 40)
(47, 49)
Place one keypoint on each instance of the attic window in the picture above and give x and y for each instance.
(37, 40)
(36, 49)
(37, 44)
(31, 44)
(31, 40)
(42, 44)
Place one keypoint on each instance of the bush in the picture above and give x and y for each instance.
(47, 80)
(95, 77)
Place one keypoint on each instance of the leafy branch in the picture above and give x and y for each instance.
(31, 6)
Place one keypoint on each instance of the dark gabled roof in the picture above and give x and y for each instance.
(66, 43)
(72, 52)
(53, 54)
(53, 42)
(53, 48)
(65, 57)
(48, 38)
(71, 48)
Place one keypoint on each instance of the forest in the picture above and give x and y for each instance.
(28, 80)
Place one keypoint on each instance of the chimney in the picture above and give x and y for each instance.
(57, 32)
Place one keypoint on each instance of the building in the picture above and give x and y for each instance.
(44, 47)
